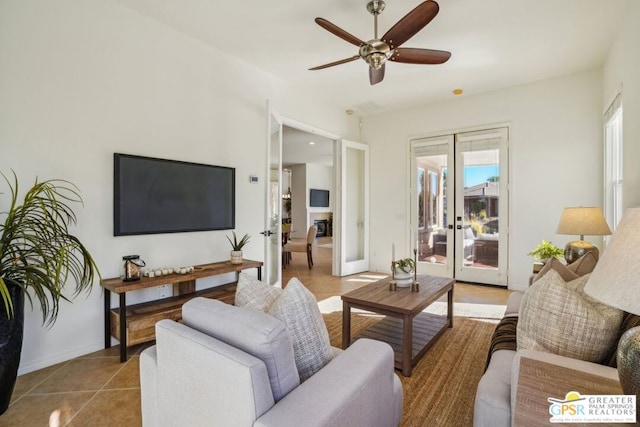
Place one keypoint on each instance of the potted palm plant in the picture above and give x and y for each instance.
(38, 256)
(236, 247)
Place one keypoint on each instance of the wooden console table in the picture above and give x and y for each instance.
(135, 324)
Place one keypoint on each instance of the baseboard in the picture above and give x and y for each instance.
(45, 362)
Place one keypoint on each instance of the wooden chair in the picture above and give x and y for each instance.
(301, 245)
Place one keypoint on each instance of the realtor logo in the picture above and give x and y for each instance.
(577, 408)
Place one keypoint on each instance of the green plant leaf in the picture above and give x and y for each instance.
(38, 251)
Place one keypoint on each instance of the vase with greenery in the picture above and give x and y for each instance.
(38, 257)
(545, 251)
(236, 247)
(404, 271)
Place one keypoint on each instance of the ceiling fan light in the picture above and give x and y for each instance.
(376, 60)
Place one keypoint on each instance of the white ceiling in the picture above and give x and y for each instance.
(296, 148)
(494, 43)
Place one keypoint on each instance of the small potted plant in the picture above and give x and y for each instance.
(403, 272)
(545, 251)
(236, 247)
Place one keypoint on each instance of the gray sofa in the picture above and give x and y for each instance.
(496, 392)
(232, 366)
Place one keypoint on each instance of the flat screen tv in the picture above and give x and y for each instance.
(318, 198)
(166, 196)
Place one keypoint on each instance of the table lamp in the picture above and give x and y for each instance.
(616, 282)
(582, 221)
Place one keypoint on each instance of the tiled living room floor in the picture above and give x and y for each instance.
(98, 390)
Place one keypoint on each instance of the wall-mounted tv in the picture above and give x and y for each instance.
(166, 196)
(318, 198)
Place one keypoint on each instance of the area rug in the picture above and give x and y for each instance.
(441, 389)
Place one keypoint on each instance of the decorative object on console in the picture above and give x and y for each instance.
(236, 246)
(582, 221)
(38, 257)
(132, 264)
(616, 282)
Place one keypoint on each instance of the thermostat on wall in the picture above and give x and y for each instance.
(253, 179)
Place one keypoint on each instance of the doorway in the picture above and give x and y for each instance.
(308, 170)
(459, 212)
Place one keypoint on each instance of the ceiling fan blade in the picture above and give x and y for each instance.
(412, 22)
(331, 64)
(376, 76)
(410, 55)
(332, 28)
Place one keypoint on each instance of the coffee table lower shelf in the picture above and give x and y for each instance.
(426, 329)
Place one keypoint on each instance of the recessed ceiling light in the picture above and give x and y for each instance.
(457, 91)
(312, 143)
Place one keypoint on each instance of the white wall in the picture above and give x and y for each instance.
(81, 80)
(299, 201)
(303, 178)
(622, 74)
(555, 160)
(320, 177)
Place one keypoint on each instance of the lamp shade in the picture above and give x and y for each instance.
(616, 282)
(616, 279)
(583, 221)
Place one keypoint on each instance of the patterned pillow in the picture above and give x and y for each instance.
(555, 265)
(254, 294)
(583, 265)
(558, 317)
(298, 309)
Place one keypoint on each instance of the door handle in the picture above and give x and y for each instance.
(450, 226)
(459, 227)
(266, 233)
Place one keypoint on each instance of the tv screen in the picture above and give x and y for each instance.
(319, 198)
(166, 196)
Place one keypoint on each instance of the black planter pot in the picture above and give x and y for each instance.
(11, 331)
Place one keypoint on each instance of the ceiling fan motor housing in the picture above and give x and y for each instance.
(375, 53)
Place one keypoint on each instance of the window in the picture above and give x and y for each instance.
(613, 178)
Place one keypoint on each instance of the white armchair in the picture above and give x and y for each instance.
(232, 366)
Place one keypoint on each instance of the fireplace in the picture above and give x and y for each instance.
(322, 227)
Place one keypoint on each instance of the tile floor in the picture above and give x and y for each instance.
(98, 390)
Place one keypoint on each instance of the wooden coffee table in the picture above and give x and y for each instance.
(408, 330)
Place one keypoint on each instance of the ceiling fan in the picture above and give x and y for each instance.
(377, 51)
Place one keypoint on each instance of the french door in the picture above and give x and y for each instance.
(273, 208)
(460, 205)
(352, 175)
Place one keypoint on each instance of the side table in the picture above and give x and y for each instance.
(538, 380)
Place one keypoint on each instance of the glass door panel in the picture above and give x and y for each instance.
(434, 208)
(273, 211)
(354, 207)
(481, 193)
